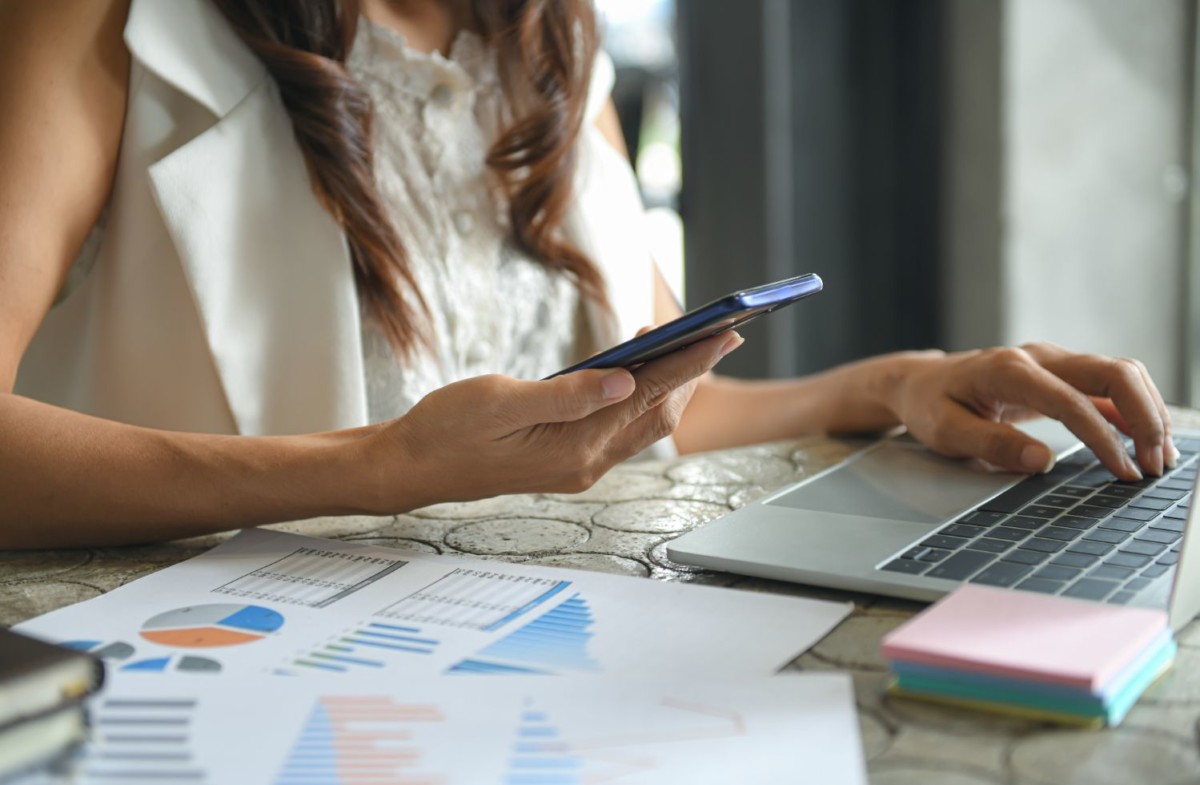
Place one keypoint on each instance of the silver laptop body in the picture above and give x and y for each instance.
(899, 520)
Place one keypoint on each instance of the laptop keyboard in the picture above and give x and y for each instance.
(1075, 531)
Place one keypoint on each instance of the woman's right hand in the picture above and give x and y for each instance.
(494, 435)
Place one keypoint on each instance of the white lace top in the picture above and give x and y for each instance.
(494, 309)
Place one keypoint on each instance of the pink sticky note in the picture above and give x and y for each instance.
(1025, 635)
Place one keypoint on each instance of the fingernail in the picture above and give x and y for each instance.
(734, 342)
(618, 384)
(1170, 453)
(1037, 459)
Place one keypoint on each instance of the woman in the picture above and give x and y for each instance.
(263, 261)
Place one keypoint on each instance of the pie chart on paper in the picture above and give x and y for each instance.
(206, 626)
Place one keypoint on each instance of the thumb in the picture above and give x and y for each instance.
(571, 396)
(964, 434)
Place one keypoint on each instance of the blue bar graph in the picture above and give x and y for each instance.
(348, 740)
(556, 641)
(539, 757)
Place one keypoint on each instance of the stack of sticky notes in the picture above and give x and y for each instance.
(1035, 655)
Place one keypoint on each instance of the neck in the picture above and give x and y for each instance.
(427, 25)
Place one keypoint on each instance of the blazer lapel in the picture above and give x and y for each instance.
(268, 266)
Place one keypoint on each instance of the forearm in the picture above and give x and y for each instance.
(852, 398)
(68, 479)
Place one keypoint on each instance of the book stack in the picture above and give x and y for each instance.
(1039, 656)
(42, 687)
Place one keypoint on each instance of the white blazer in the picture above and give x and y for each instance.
(222, 298)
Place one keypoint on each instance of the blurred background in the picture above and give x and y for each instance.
(962, 173)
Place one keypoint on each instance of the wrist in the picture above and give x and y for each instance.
(395, 468)
(890, 375)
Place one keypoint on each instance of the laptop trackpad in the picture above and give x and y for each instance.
(898, 480)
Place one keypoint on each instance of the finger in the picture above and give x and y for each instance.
(1023, 381)
(658, 378)
(656, 423)
(963, 434)
(1124, 383)
(1108, 410)
(1170, 451)
(565, 398)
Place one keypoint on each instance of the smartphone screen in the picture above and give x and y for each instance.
(717, 317)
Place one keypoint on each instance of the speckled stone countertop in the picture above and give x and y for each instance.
(622, 526)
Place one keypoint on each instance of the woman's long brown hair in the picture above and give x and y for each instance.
(545, 50)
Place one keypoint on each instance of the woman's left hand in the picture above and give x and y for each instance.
(959, 404)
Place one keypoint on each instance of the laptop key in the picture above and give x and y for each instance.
(1168, 559)
(1143, 547)
(1008, 533)
(1046, 546)
(907, 566)
(1056, 573)
(1090, 589)
(1136, 514)
(1165, 527)
(933, 555)
(1106, 535)
(1074, 560)
(1088, 511)
(1111, 502)
(1121, 525)
(914, 553)
(963, 530)
(1002, 573)
(1090, 547)
(1056, 500)
(1077, 493)
(989, 545)
(1155, 570)
(1151, 503)
(983, 518)
(1021, 494)
(1179, 514)
(942, 541)
(1095, 478)
(1059, 533)
(1128, 560)
(961, 565)
(1081, 457)
(1041, 511)
(1076, 523)
(1166, 493)
(1109, 572)
(1018, 522)
(1040, 585)
(1121, 491)
(1121, 597)
(1022, 556)
(1137, 583)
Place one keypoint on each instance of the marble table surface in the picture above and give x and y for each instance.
(622, 526)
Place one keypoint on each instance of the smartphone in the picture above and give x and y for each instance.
(718, 316)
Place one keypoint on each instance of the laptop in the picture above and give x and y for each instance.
(900, 520)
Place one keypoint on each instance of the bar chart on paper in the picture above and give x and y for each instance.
(475, 599)
(555, 642)
(137, 740)
(349, 740)
(368, 646)
(312, 577)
